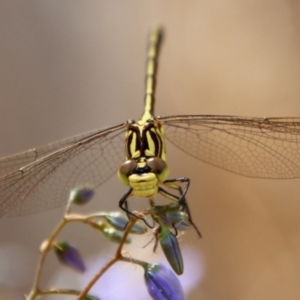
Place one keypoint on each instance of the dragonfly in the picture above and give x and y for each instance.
(40, 179)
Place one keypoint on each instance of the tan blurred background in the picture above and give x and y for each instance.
(67, 67)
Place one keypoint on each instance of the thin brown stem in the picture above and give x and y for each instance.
(59, 292)
(45, 247)
(117, 257)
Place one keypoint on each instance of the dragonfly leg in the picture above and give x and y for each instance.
(124, 206)
(173, 184)
(123, 202)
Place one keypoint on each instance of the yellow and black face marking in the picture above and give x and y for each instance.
(145, 140)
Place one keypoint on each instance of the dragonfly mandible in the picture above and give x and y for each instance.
(41, 178)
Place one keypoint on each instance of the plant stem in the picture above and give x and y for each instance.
(117, 257)
(45, 247)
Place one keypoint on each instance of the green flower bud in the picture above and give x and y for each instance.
(119, 221)
(88, 297)
(171, 249)
(110, 233)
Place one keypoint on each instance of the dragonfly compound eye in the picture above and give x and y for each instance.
(126, 170)
(159, 167)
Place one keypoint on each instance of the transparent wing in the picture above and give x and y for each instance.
(41, 178)
(11, 163)
(253, 147)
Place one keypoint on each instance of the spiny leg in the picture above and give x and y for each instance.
(172, 183)
(123, 202)
(187, 209)
(124, 206)
(152, 204)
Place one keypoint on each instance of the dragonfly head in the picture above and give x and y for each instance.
(141, 167)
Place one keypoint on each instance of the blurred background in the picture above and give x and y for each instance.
(67, 67)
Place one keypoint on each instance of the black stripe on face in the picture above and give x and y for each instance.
(133, 132)
(128, 143)
(157, 142)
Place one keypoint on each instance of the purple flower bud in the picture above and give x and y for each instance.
(162, 283)
(119, 221)
(69, 255)
(81, 195)
(171, 249)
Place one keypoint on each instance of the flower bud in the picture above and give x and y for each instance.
(81, 195)
(69, 255)
(171, 249)
(110, 233)
(162, 283)
(119, 221)
(88, 297)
